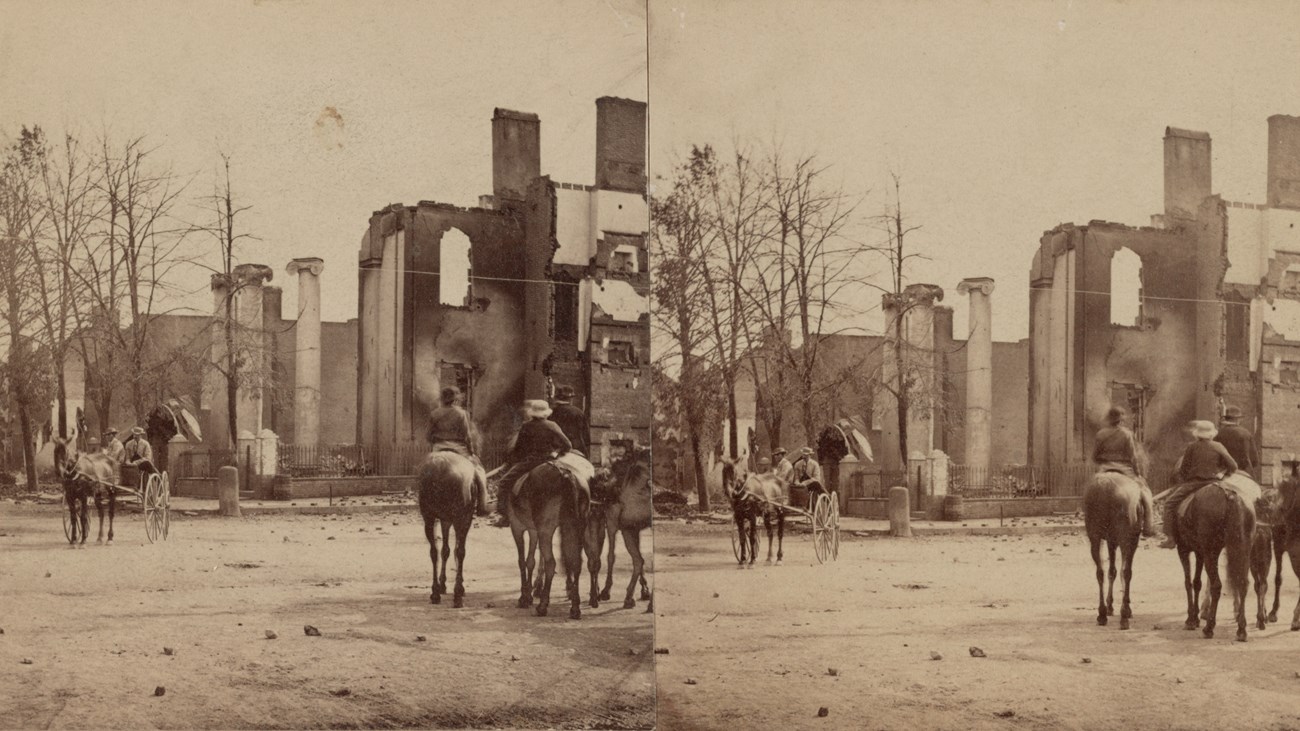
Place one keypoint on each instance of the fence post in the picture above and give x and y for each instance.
(900, 512)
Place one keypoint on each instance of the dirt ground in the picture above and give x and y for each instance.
(94, 624)
(857, 637)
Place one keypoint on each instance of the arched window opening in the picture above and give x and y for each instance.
(1126, 289)
(454, 287)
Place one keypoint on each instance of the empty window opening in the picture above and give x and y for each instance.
(1132, 398)
(1126, 289)
(454, 288)
(460, 376)
(1236, 329)
(620, 353)
(566, 310)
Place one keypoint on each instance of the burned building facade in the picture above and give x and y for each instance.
(544, 284)
(1218, 314)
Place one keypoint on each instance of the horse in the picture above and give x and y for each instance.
(549, 498)
(621, 503)
(83, 476)
(1287, 535)
(1113, 512)
(1269, 543)
(1216, 520)
(447, 482)
(753, 495)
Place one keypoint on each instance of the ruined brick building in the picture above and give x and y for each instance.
(1218, 322)
(543, 284)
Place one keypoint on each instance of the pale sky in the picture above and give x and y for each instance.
(1004, 118)
(413, 85)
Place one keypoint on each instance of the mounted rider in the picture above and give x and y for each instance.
(571, 420)
(452, 430)
(1204, 461)
(1116, 450)
(1238, 440)
(539, 440)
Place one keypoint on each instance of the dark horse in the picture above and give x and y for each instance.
(1113, 512)
(753, 495)
(621, 503)
(84, 476)
(447, 489)
(1286, 536)
(1216, 521)
(1269, 543)
(549, 498)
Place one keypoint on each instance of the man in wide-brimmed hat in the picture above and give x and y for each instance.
(1203, 462)
(1238, 440)
(538, 440)
(137, 452)
(784, 469)
(1116, 449)
(807, 473)
(452, 430)
(571, 420)
(113, 446)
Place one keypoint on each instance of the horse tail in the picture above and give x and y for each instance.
(1239, 537)
(581, 499)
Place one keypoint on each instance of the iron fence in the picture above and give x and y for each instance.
(200, 464)
(1019, 481)
(349, 460)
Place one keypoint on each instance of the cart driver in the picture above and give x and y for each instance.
(113, 446)
(137, 453)
(808, 474)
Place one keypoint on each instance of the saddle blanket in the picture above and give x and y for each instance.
(1238, 483)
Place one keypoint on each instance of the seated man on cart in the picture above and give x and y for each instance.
(137, 454)
(808, 475)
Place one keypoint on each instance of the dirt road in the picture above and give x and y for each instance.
(770, 646)
(94, 624)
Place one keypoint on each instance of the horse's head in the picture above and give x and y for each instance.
(604, 483)
(1288, 499)
(1268, 508)
(65, 458)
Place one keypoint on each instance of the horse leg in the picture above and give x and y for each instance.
(780, 536)
(571, 553)
(1279, 546)
(1261, 562)
(1294, 552)
(462, 532)
(546, 538)
(446, 554)
(1095, 548)
(99, 509)
(594, 546)
(1192, 587)
(1127, 553)
(1215, 589)
(112, 511)
(632, 540)
(432, 536)
(753, 540)
(743, 537)
(83, 504)
(611, 533)
(1113, 572)
(767, 525)
(71, 501)
(525, 571)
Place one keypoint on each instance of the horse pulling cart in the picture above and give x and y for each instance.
(823, 515)
(153, 492)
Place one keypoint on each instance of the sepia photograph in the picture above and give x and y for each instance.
(975, 352)
(326, 365)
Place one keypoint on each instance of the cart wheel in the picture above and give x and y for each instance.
(167, 505)
(821, 518)
(153, 508)
(835, 529)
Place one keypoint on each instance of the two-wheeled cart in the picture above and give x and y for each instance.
(823, 515)
(152, 491)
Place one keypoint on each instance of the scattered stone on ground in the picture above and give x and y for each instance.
(270, 634)
(977, 652)
(159, 691)
(310, 631)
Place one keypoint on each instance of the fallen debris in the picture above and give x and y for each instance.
(833, 672)
(270, 634)
(341, 692)
(977, 652)
(661, 650)
(169, 651)
(26, 661)
(691, 681)
(1005, 714)
(310, 631)
(935, 656)
(421, 638)
(823, 712)
(159, 691)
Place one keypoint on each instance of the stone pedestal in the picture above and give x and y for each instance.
(306, 403)
(228, 491)
(979, 373)
(900, 512)
(267, 454)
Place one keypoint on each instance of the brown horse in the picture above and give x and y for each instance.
(1287, 535)
(621, 503)
(1269, 543)
(1216, 521)
(753, 495)
(447, 492)
(85, 476)
(549, 498)
(1113, 512)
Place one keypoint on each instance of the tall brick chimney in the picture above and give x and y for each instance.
(1187, 171)
(620, 144)
(1283, 161)
(516, 153)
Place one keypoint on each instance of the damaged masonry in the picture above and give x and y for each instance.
(1218, 314)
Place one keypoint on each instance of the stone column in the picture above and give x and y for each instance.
(251, 339)
(306, 402)
(979, 373)
(217, 431)
(916, 344)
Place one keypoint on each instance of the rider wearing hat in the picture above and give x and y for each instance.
(539, 439)
(1203, 462)
(784, 468)
(571, 420)
(452, 430)
(1238, 440)
(137, 452)
(1116, 450)
(113, 446)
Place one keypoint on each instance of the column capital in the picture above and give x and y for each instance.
(306, 264)
(983, 285)
(254, 274)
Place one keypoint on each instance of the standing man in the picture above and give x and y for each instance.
(784, 469)
(452, 430)
(1238, 440)
(113, 446)
(571, 420)
(1115, 449)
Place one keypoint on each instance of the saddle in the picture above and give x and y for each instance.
(1238, 483)
(572, 464)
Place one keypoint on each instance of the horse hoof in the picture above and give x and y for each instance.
(541, 611)
(575, 613)
(1191, 624)
(605, 595)
(768, 562)
(525, 602)
(1101, 620)
(1209, 633)
(1241, 636)
(1110, 611)
(1261, 625)
(594, 603)
(1272, 616)
(99, 542)
(629, 604)
(458, 602)
(435, 599)
(645, 595)
(1295, 626)
(1124, 623)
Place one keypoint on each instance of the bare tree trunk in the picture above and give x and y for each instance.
(697, 463)
(29, 444)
